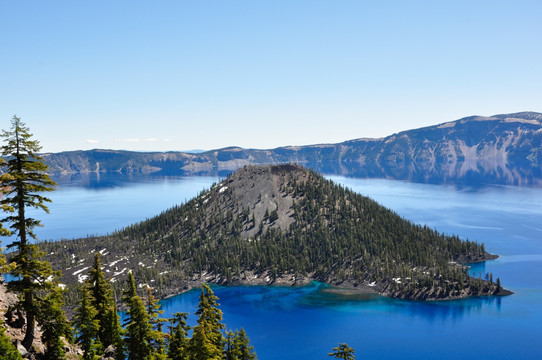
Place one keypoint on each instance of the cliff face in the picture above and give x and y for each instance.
(498, 149)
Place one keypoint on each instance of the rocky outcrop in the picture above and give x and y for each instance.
(14, 321)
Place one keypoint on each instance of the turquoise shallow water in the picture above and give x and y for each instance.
(305, 323)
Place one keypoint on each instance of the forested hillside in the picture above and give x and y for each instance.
(281, 224)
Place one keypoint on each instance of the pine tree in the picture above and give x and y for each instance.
(343, 351)
(237, 346)
(178, 337)
(207, 340)
(157, 336)
(87, 325)
(138, 327)
(246, 351)
(54, 323)
(25, 179)
(231, 352)
(109, 329)
(499, 287)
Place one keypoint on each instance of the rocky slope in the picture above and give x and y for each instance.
(497, 149)
(285, 225)
(14, 323)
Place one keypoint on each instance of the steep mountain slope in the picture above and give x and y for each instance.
(498, 149)
(282, 224)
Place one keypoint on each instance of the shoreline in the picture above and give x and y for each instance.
(344, 288)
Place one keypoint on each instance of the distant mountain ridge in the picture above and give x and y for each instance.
(504, 148)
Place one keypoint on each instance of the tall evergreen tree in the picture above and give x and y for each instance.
(87, 325)
(138, 327)
(157, 336)
(109, 329)
(238, 346)
(178, 337)
(207, 341)
(54, 323)
(25, 179)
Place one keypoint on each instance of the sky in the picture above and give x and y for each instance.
(182, 75)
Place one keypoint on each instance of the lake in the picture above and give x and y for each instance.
(306, 323)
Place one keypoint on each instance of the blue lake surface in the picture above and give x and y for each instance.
(306, 323)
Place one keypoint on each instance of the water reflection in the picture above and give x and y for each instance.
(318, 296)
(108, 181)
(321, 296)
(470, 179)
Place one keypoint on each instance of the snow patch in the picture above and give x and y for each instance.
(116, 261)
(222, 189)
(80, 271)
(119, 272)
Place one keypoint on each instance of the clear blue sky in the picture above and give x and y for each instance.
(179, 75)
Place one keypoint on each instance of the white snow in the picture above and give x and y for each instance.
(80, 271)
(222, 189)
(119, 272)
(372, 284)
(116, 261)
(82, 278)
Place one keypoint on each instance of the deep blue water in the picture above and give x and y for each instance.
(306, 323)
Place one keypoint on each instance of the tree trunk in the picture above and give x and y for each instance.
(30, 323)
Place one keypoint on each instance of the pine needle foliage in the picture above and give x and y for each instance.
(138, 327)
(178, 337)
(24, 180)
(207, 341)
(343, 351)
(87, 325)
(109, 328)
